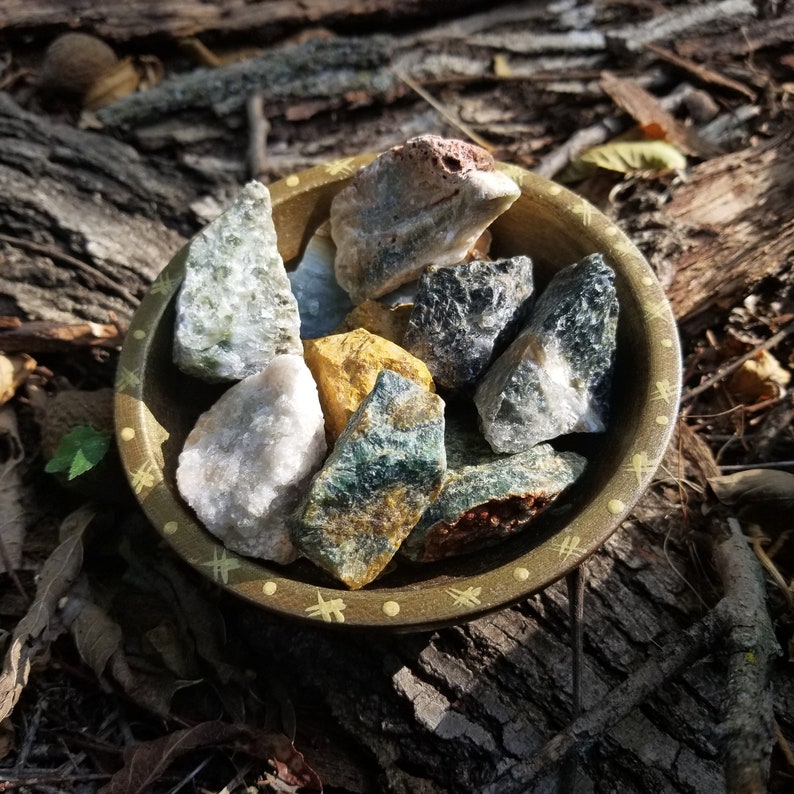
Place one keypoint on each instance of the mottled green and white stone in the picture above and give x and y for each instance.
(487, 497)
(235, 310)
(555, 377)
(386, 468)
(249, 458)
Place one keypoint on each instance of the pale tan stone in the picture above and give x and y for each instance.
(423, 203)
(389, 322)
(346, 366)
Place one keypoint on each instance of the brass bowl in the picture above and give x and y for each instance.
(157, 405)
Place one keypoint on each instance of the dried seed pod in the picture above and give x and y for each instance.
(74, 62)
(120, 80)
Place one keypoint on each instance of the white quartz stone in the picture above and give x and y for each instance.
(247, 461)
(235, 310)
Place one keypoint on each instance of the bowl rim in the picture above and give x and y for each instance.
(139, 435)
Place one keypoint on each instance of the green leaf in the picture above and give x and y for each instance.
(79, 451)
(625, 157)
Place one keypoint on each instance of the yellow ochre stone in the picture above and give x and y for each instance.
(379, 319)
(346, 366)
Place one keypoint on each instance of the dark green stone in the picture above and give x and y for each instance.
(555, 377)
(487, 497)
(386, 468)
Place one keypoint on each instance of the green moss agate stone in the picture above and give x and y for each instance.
(465, 315)
(556, 376)
(487, 497)
(386, 468)
(235, 311)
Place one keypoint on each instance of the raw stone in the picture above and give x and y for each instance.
(346, 366)
(322, 303)
(425, 202)
(464, 316)
(389, 322)
(385, 469)
(249, 458)
(235, 310)
(487, 497)
(555, 377)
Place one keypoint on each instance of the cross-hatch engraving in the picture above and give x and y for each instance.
(656, 311)
(163, 286)
(465, 598)
(221, 565)
(664, 391)
(127, 379)
(640, 465)
(341, 167)
(142, 477)
(329, 611)
(586, 211)
(568, 546)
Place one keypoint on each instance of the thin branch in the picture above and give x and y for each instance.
(730, 368)
(748, 723)
(748, 726)
(575, 583)
(448, 115)
(258, 129)
(682, 650)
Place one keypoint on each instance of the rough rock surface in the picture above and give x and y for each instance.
(555, 377)
(322, 303)
(346, 366)
(464, 316)
(248, 460)
(389, 322)
(425, 202)
(385, 469)
(235, 310)
(487, 497)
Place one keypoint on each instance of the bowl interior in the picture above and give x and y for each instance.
(157, 406)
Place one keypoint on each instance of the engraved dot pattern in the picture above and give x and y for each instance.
(147, 434)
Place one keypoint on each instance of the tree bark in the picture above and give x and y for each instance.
(87, 220)
(270, 19)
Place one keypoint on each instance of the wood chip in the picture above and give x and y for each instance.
(701, 72)
(648, 111)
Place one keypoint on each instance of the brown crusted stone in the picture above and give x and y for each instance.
(423, 203)
(482, 526)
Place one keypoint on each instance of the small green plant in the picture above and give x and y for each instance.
(79, 451)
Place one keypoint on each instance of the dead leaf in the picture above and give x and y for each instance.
(151, 691)
(14, 371)
(100, 642)
(12, 524)
(760, 378)
(625, 157)
(649, 113)
(96, 636)
(7, 737)
(153, 573)
(39, 627)
(146, 763)
(761, 496)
